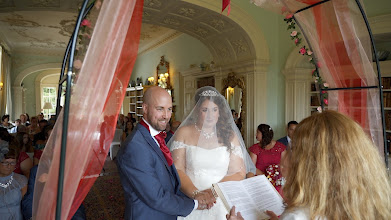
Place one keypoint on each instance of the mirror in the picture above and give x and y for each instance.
(235, 92)
(234, 99)
(163, 74)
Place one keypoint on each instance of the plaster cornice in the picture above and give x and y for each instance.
(159, 43)
(297, 74)
(243, 19)
(32, 69)
(41, 52)
(249, 66)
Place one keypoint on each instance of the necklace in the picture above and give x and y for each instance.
(204, 133)
(9, 182)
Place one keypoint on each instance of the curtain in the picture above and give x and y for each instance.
(96, 101)
(340, 41)
(5, 77)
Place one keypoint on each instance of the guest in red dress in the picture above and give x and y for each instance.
(267, 154)
(23, 164)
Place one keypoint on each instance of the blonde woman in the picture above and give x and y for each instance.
(334, 172)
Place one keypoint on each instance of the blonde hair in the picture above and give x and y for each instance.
(336, 171)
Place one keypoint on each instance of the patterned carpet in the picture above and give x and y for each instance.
(105, 200)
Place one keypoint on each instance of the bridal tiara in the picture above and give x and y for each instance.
(208, 93)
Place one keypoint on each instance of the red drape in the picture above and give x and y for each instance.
(96, 100)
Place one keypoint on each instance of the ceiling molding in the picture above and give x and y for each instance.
(227, 40)
(157, 43)
(33, 69)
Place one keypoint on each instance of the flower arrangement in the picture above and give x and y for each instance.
(273, 174)
(84, 37)
(304, 51)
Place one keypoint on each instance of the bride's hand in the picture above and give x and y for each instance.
(205, 199)
(211, 196)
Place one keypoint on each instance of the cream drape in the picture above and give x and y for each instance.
(5, 77)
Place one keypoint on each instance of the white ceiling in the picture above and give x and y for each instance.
(41, 25)
(52, 30)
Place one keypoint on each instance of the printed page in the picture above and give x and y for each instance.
(252, 197)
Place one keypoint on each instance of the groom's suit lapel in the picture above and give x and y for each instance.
(152, 144)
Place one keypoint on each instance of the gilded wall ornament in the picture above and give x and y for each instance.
(223, 52)
(17, 20)
(188, 12)
(240, 46)
(144, 36)
(217, 24)
(66, 27)
(153, 3)
(171, 21)
(201, 31)
(45, 3)
(146, 14)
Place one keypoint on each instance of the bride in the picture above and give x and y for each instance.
(207, 148)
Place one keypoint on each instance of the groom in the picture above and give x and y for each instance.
(149, 178)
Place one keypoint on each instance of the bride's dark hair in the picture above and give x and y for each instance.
(225, 121)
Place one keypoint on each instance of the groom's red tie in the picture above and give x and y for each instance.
(166, 152)
(162, 143)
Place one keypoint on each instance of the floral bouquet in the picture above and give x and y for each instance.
(273, 174)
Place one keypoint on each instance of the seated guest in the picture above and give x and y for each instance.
(27, 202)
(334, 172)
(174, 126)
(40, 117)
(170, 129)
(126, 119)
(24, 162)
(15, 129)
(267, 154)
(5, 123)
(33, 128)
(120, 121)
(21, 128)
(40, 142)
(13, 185)
(130, 116)
(290, 129)
(25, 143)
(42, 123)
(128, 129)
(28, 118)
(23, 120)
(52, 120)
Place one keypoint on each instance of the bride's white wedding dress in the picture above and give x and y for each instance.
(205, 167)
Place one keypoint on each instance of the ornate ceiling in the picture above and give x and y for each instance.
(47, 25)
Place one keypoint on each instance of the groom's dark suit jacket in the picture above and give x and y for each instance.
(151, 186)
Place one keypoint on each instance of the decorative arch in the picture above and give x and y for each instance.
(230, 39)
(18, 90)
(38, 85)
(244, 20)
(24, 73)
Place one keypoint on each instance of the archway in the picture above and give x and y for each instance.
(19, 89)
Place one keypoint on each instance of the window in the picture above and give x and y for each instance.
(49, 95)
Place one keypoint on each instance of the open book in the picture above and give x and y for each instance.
(251, 197)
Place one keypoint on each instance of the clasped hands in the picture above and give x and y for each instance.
(205, 199)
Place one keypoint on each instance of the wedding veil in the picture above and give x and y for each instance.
(210, 127)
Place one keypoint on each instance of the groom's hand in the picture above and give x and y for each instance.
(205, 199)
(211, 196)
